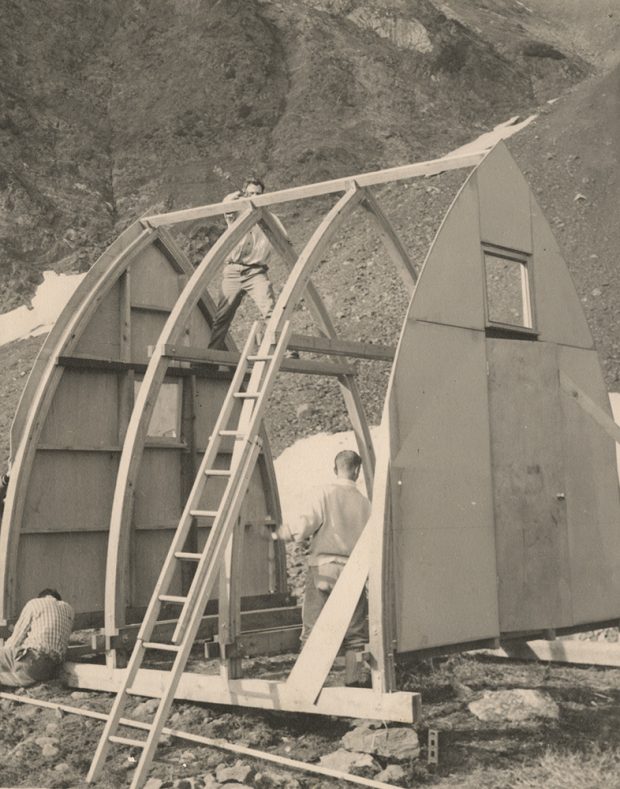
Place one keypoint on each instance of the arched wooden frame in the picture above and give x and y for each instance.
(38, 397)
(117, 574)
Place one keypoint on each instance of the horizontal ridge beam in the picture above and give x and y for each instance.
(416, 170)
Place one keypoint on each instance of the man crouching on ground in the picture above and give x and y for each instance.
(334, 516)
(37, 646)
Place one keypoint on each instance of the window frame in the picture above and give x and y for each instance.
(529, 327)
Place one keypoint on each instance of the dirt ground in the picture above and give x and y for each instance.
(581, 748)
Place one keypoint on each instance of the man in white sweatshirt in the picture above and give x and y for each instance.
(334, 516)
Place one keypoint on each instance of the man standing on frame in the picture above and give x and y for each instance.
(334, 517)
(245, 271)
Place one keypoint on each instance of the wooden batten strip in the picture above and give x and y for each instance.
(419, 169)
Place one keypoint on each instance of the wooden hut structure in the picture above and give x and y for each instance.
(496, 510)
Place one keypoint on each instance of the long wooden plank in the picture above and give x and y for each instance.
(588, 653)
(298, 342)
(340, 347)
(590, 407)
(400, 707)
(282, 761)
(300, 366)
(251, 621)
(432, 167)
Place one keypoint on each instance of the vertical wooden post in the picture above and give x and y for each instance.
(189, 468)
(229, 603)
(126, 383)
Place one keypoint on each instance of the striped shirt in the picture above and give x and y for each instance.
(44, 625)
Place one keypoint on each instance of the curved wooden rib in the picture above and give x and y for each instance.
(88, 283)
(392, 242)
(47, 377)
(117, 567)
(348, 384)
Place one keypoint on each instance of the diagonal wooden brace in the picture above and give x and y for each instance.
(310, 671)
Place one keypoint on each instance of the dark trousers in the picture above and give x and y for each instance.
(315, 598)
(237, 280)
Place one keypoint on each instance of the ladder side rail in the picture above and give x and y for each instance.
(137, 657)
(178, 540)
(229, 602)
(189, 635)
(254, 414)
(216, 543)
(135, 436)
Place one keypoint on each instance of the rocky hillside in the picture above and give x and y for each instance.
(111, 109)
(114, 109)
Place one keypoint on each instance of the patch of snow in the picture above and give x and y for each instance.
(47, 304)
(309, 462)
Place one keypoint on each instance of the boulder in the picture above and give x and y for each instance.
(514, 705)
(398, 743)
(239, 772)
(393, 772)
(346, 761)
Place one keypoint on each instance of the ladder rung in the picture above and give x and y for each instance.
(164, 647)
(127, 741)
(260, 358)
(218, 472)
(172, 598)
(190, 557)
(203, 513)
(247, 395)
(231, 433)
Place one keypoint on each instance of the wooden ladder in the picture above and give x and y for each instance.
(262, 366)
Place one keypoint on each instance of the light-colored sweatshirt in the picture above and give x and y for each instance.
(336, 515)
